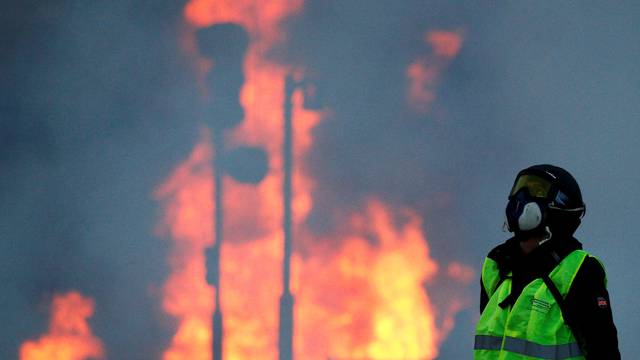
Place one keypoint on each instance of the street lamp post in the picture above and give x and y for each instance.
(215, 250)
(245, 164)
(285, 340)
(226, 45)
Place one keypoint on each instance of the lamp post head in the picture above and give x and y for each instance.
(226, 45)
(246, 164)
(313, 98)
(225, 42)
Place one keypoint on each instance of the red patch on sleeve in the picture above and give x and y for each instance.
(602, 303)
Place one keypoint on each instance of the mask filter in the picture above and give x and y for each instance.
(524, 214)
(530, 218)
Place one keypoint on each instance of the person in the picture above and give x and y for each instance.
(542, 296)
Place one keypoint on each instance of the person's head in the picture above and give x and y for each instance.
(544, 199)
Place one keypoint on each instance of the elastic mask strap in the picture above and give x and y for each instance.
(547, 236)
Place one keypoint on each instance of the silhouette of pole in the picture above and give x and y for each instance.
(225, 44)
(219, 211)
(285, 340)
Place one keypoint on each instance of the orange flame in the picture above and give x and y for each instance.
(365, 299)
(424, 72)
(188, 211)
(462, 273)
(359, 295)
(69, 336)
(445, 44)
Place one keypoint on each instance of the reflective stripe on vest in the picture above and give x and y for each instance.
(528, 348)
(533, 327)
(487, 342)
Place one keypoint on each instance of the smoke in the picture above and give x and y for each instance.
(98, 104)
(531, 84)
(95, 109)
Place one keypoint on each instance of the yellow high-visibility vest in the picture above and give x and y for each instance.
(533, 328)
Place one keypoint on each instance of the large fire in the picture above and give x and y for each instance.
(358, 295)
(364, 298)
(69, 336)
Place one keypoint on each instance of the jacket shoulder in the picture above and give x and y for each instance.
(502, 252)
(593, 268)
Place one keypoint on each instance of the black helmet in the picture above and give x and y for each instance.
(545, 196)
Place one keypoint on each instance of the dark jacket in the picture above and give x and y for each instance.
(587, 304)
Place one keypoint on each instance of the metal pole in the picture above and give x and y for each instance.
(217, 182)
(285, 341)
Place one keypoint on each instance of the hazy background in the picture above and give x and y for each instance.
(98, 104)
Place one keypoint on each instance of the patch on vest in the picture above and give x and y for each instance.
(540, 306)
(602, 303)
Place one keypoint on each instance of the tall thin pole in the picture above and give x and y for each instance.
(217, 182)
(285, 341)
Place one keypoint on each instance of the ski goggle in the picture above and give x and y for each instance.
(535, 185)
(541, 188)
